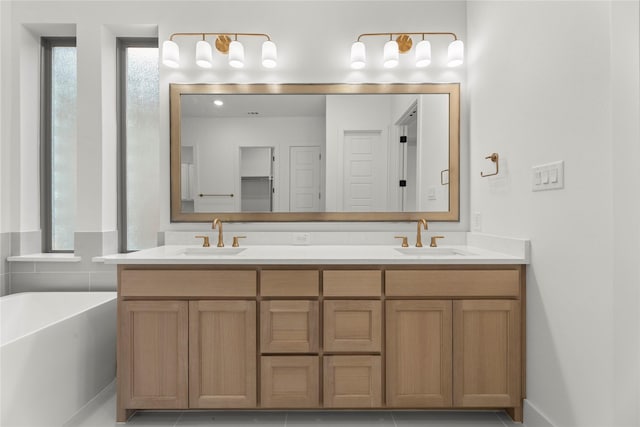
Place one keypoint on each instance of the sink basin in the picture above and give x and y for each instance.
(213, 251)
(428, 251)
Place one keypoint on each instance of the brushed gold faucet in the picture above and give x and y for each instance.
(236, 244)
(217, 222)
(422, 222)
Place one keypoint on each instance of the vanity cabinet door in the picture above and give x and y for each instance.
(289, 326)
(222, 354)
(418, 354)
(154, 354)
(486, 344)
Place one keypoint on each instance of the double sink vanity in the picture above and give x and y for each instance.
(320, 327)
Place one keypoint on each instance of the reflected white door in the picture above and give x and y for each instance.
(304, 190)
(365, 172)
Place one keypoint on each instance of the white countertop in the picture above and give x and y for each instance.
(318, 254)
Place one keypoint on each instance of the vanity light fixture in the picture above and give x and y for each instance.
(403, 44)
(224, 44)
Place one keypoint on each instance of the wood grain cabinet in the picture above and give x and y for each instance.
(352, 326)
(153, 360)
(352, 382)
(486, 353)
(222, 354)
(289, 326)
(290, 382)
(419, 354)
(377, 336)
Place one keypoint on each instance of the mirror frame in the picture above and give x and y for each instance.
(452, 89)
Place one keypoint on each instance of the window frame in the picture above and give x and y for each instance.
(122, 44)
(47, 44)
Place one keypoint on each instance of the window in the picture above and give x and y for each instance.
(58, 153)
(138, 129)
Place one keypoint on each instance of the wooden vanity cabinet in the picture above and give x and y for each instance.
(306, 337)
(153, 360)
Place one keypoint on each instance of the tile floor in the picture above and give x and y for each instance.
(101, 413)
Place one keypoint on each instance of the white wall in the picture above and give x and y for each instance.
(545, 85)
(5, 116)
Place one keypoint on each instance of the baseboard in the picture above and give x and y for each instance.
(533, 417)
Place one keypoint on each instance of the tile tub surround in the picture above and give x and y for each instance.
(67, 272)
(5, 267)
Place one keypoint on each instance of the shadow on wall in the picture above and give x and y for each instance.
(543, 362)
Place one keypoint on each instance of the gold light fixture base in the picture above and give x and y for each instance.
(222, 43)
(404, 43)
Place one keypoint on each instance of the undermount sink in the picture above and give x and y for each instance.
(213, 251)
(428, 251)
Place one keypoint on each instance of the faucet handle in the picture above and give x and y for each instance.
(405, 243)
(205, 241)
(434, 242)
(235, 243)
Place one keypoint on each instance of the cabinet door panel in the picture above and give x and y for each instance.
(290, 382)
(289, 326)
(222, 354)
(418, 353)
(352, 382)
(353, 326)
(154, 346)
(486, 353)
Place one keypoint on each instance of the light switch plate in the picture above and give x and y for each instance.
(301, 238)
(549, 176)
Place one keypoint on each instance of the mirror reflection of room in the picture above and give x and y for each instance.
(314, 153)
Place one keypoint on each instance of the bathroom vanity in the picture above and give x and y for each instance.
(357, 327)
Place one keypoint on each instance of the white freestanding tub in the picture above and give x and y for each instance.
(57, 351)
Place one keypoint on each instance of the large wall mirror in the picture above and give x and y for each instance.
(319, 152)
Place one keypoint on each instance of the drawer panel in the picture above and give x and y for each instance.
(352, 326)
(356, 283)
(290, 382)
(290, 283)
(289, 326)
(453, 283)
(188, 283)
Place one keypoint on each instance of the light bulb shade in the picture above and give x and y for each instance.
(269, 54)
(391, 54)
(204, 56)
(170, 54)
(236, 54)
(358, 56)
(456, 53)
(423, 54)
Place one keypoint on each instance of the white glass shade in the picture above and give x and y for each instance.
(423, 54)
(204, 56)
(358, 56)
(236, 54)
(391, 54)
(269, 54)
(456, 53)
(170, 54)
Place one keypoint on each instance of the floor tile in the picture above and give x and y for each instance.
(231, 418)
(447, 418)
(341, 418)
(156, 419)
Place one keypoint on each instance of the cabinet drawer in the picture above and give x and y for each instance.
(453, 283)
(352, 326)
(289, 326)
(187, 283)
(357, 283)
(352, 382)
(289, 283)
(290, 382)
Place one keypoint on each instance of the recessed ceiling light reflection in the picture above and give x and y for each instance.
(218, 102)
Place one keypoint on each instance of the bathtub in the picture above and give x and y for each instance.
(57, 351)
